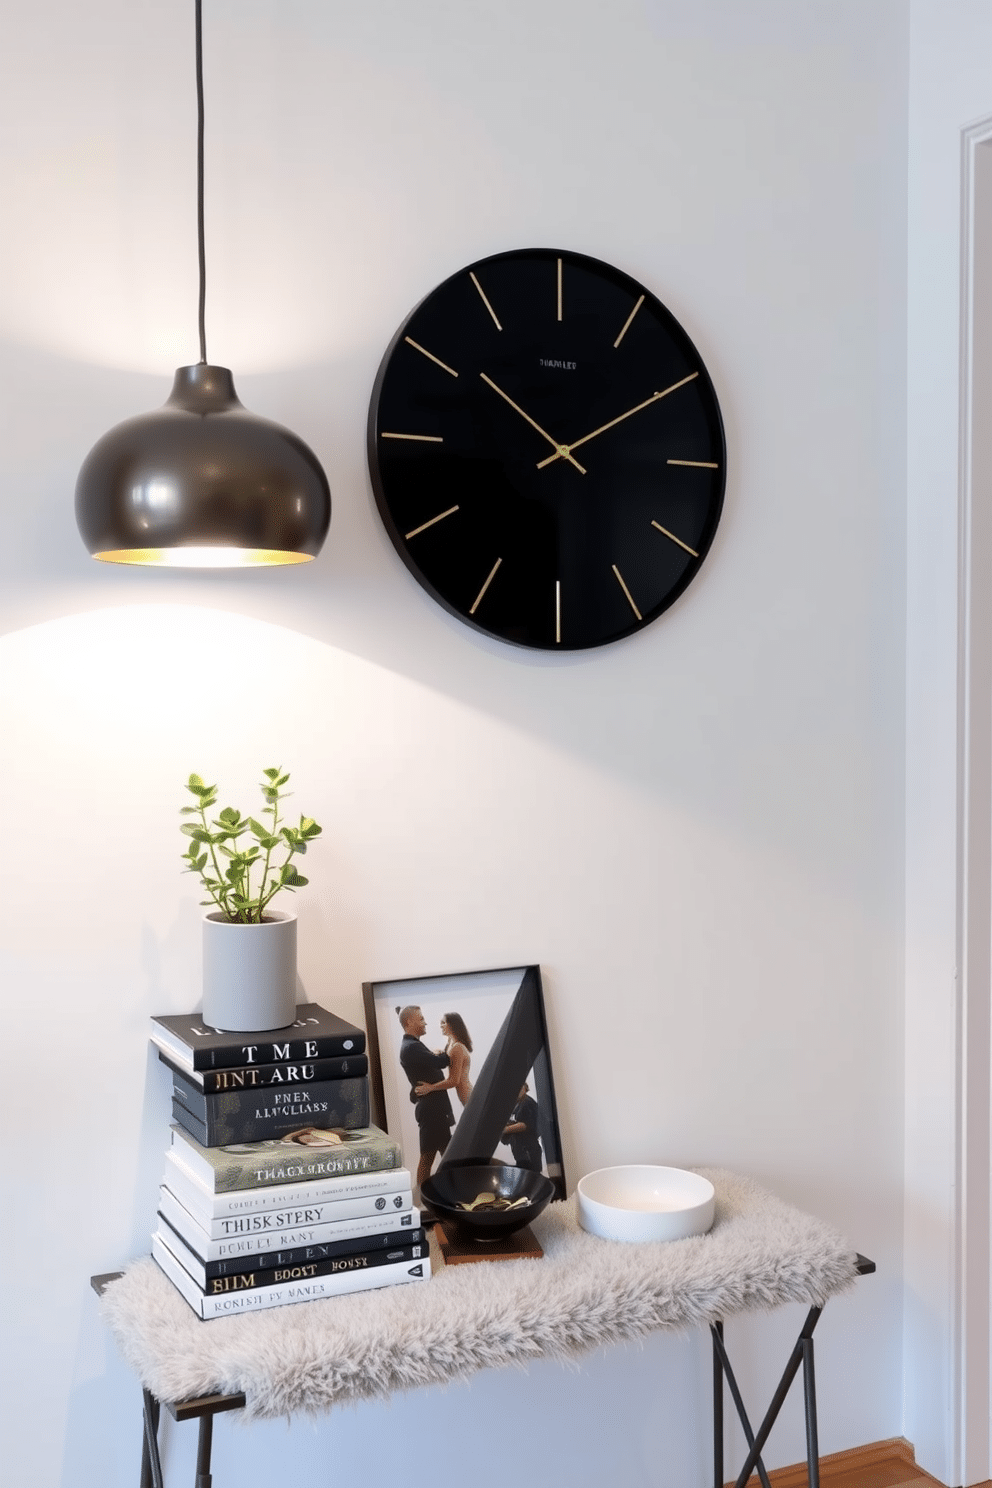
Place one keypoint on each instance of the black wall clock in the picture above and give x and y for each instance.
(546, 450)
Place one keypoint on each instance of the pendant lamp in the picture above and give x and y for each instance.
(201, 482)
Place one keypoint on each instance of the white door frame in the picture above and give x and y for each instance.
(971, 1372)
(946, 1332)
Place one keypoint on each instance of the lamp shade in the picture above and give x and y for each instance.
(201, 482)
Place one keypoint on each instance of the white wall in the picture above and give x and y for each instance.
(697, 832)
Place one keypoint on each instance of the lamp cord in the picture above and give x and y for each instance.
(199, 183)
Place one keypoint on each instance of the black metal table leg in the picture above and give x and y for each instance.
(145, 1480)
(771, 1415)
(717, 1331)
(205, 1407)
(151, 1462)
(203, 1445)
(720, 1353)
(802, 1354)
(809, 1397)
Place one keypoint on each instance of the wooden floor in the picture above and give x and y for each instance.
(888, 1464)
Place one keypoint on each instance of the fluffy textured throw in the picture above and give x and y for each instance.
(760, 1252)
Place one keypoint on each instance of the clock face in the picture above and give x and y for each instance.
(546, 450)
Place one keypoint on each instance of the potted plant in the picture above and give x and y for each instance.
(249, 949)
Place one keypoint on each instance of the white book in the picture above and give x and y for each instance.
(336, 1285)
(307, 1216)
(213, 1248)
(201, 1200)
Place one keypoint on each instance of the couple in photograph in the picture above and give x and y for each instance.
(429, 1090)
(429, 1086)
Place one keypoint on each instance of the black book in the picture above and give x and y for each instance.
(335, 1266)
(340, 1266)
(260, 1076)
(316, 1034)
(204, 1272)
(234, 1117)
(280, 1294)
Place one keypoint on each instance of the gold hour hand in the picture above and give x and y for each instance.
(561, 450)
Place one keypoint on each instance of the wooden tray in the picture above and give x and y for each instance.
(520, 1246)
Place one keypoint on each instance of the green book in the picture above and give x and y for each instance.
(301, 1156)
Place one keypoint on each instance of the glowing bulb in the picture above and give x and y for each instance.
(209, 557)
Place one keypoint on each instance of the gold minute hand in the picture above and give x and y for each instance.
(563, 450)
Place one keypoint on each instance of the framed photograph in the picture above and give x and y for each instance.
(460, 1070)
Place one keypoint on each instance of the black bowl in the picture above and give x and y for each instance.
(461, 1183)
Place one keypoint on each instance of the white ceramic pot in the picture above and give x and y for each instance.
(249, 973)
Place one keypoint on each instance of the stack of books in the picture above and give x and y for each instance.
(238, 1087)
(276, 1188)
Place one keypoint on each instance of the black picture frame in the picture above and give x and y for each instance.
(510, 1049)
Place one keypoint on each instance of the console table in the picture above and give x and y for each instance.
(760, 1253)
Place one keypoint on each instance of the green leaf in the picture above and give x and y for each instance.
(273, 774)
(289, 876)
(198, 834)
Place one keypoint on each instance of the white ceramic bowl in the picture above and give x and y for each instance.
(640, 1202)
